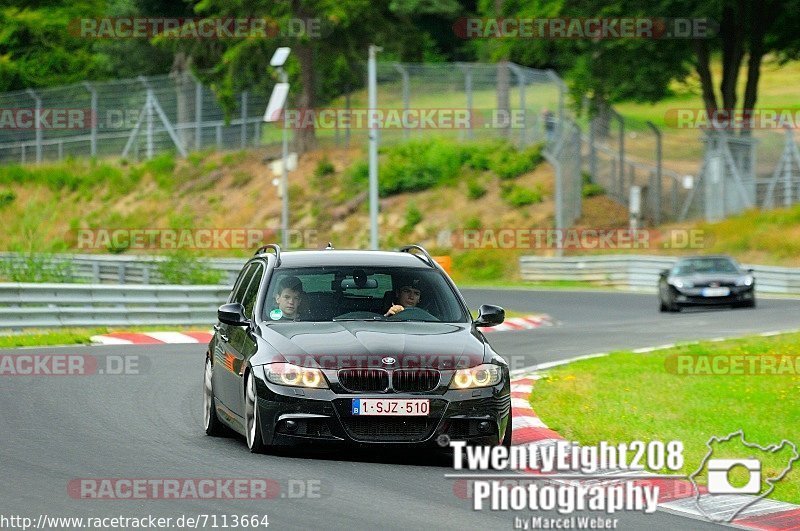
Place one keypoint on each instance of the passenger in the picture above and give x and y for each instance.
(289, 298)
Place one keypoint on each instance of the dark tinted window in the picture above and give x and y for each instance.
(365, 293)
(250, 294)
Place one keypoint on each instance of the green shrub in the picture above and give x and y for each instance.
(35, 267)
(475, 190)
(508, 163)
(324, 168)
(592, 189)
(6, 197)
(183, 268)
(412, 219)
(519, 196)
(419, 165)
(473, 223)
(483, 264)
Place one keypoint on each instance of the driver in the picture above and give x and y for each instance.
(407, 295)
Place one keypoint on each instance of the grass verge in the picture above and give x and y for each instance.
(627, 396)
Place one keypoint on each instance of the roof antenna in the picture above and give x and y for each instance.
(329, 247)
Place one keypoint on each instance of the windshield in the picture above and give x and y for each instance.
(347, 293)
(705, 266)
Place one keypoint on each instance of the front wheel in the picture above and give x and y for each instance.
(255, 441)
(509, 432)
(211, 422)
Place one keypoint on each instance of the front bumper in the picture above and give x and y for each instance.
(322, 416)
(694, 297)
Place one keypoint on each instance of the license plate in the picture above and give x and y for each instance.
(408, 407)
(716, 292)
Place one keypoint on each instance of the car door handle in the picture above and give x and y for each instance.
(216, 328)
(223, 337)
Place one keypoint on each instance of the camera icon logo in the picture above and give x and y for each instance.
(719, 481)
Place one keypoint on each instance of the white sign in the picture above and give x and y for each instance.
(276, 102)
(276, 166)
(688, 182)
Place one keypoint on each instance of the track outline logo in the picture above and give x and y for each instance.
(773, 448)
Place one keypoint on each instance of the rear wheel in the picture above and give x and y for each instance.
(255, 441)
(211, 422)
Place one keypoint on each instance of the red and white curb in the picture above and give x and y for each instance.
(527, 322)
(158, 338)
(676, 496)
(151, 338)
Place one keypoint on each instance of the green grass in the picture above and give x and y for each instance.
(627, 396)
(71, 336)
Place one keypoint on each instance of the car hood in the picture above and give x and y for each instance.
(342, 344)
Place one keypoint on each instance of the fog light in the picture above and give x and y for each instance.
(484, 427)
(290, 425)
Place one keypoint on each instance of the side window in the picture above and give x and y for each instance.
(252, 291)
(244, 281)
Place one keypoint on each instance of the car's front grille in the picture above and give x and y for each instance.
(364, 380)
(415, 380)
(715, 284)
(389, 429)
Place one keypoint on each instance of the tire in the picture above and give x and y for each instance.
(255, 440)
(211, 422)
(509, 432)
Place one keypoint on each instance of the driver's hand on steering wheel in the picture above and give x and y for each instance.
(395, 309)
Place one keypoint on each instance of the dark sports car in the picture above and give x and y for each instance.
(355, 347)
(704, 281)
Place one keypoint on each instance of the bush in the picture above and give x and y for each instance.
(33, 267)
(473, 223)
(413, 217)
(509, 163)
(324, 168)
(418, 165)
(6, 197)
(592, 189)
(183, 268)
(519, 196)
(475, 190)
(483, 264)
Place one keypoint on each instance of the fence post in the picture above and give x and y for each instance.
(787, 168)
(656, 193)
(244, 119)
(406, 96)
(95, 118)
(38, 116)
(521, 84)
(198, 116)
(592, 152)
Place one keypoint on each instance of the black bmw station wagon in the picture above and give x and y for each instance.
(353, 347)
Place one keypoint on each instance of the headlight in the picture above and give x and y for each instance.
(295, 376)
(745, 281)
(680, 284)
(484, 375)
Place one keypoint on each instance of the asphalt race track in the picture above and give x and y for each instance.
(55, 429)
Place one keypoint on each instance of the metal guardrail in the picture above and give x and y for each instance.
(639, 273)
(58, 305)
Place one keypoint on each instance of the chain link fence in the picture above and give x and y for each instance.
(132, 118)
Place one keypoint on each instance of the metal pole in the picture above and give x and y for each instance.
(94, 118)
(468, 90)
(657, 192)
(149, 124)
(787, 169)
(38, 117)
(404, 73)
(285, 172)
(244, 120)
(198, 116)
(373, 146)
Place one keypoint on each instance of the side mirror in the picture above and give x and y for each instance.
(232, 314)
(489, 315)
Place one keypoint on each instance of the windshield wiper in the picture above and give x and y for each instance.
(376, 318)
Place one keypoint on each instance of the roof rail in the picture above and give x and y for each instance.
(427, 257)
(275, 247)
